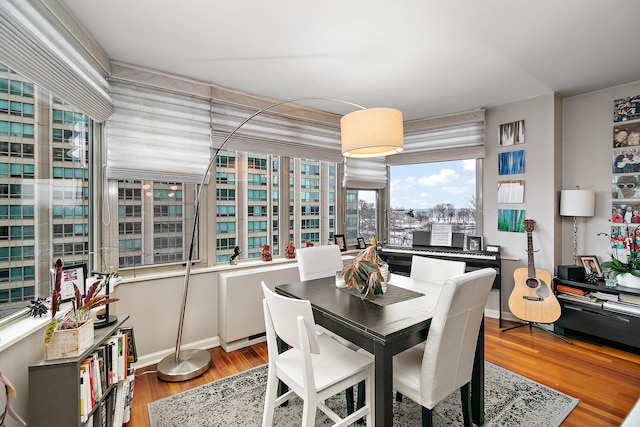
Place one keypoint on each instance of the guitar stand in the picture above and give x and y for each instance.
(536, 325)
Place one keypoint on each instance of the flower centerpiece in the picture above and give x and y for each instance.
(626, 268)
(365, 273)
(75, 319)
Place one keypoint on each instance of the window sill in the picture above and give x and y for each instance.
(23, 327)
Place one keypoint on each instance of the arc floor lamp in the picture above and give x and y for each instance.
(366, 132)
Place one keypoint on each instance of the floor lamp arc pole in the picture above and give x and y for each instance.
(184, 365)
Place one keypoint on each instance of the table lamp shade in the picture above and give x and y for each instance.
(577, 202)
(372, 132)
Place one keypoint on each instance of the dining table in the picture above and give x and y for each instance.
(384, 327)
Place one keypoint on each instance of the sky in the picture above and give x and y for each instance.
(425, 185)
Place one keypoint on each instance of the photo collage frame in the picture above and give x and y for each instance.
(625, 172)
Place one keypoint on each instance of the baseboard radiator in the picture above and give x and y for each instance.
(241, 319)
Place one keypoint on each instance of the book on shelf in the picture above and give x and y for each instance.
(586, 299)
(621, 307)
(570, 290)
(631, 299)
(605, 296)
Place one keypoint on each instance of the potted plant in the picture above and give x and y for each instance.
(628, 271)
(365, 273)
(74, 327)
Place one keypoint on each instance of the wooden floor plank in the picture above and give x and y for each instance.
(605, 379)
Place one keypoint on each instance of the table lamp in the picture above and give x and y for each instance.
(577, 203)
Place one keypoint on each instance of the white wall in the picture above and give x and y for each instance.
(541, 178)
(587, 145)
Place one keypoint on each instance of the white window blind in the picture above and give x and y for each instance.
(41, 41)
(453, 137)
(288, 130)
(365, 174)
(157, 135)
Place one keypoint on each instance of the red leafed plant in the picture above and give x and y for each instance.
(78, 314)
(363, 273)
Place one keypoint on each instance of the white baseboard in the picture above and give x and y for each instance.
(153, 358)
(238, 344)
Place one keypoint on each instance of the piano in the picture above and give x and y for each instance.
(399, 260)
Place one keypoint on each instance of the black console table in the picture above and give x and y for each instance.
(590, 319)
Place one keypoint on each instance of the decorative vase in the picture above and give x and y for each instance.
(69, 342)
(628, 280)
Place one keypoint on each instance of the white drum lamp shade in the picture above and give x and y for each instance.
(372, 132)
(577, 203)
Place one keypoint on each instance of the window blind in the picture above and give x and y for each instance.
(453, 137)
(157, 135)
(41, 41)
(365, 174)
(287, 130)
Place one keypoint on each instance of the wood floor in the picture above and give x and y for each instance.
(605, 379)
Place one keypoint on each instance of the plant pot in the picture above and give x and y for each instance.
(628, 280)
(69, 342)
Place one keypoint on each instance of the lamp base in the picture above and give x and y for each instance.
(103, 321)
(188, 365)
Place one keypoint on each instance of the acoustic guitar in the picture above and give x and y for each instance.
(531, 299)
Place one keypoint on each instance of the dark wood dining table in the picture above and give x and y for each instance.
(383, 331)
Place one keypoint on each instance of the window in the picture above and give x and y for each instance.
(432, 193)
(29, 248)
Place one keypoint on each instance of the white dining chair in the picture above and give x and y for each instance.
(315, 262)
(315, 367)
(434, 270)
(429, 372)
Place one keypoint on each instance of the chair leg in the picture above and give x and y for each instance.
(465, 396)
(270, 399)
(398, 396)
(309, 414)
(349, 396)
(427, 417)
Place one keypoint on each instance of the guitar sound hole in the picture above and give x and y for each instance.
(532, 283)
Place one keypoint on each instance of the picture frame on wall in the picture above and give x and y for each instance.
(626, 160)
(626, 109)
(590, 264)
(626, 135)
(511, 162)
(511, 191)
(625, 186)
(511, 220)
(511, 133)
(340, 240)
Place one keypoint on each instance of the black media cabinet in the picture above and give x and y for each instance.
(587, 319)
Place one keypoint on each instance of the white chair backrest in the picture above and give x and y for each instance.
(315, 262)
(284, 315)
(450, 348)
(433, 270)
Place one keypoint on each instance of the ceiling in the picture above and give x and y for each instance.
(424, 57)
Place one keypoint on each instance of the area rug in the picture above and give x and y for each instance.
(510, 400)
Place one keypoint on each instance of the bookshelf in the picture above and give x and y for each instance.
(597, 319)
(54, 388)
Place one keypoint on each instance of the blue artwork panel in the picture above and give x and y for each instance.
(511, 162)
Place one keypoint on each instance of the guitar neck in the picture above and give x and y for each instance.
(531, 269)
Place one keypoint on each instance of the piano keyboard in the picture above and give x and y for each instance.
(442, 253)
